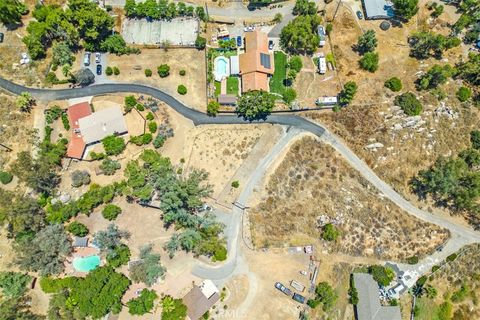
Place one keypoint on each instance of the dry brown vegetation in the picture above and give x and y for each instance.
(313, 181)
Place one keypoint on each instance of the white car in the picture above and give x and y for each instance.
(86, 58)
(249, 29)
(98, 55)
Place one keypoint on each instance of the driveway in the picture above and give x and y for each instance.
(99, 79)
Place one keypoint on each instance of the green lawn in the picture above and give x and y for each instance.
(232, 85)
(276, 82)
(218, 87)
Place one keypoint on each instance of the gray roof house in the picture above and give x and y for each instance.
(369, 307)
(80, 242)
(378, 9)
(102, 123)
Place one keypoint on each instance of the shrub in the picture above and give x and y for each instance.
(409, 104)
(235, 184)
(329, 29)
(152, 126)
(159, 141)
(348, 93)
(116, 71)
(108, 71)
(148, 73)
(464, 93)
(451, 257)
(182, 72)
(149, 116)
(383, 275)
(141, 139)
(435, 268)
(412, 260)
(118, 256)
(65, 121)
(163, 70)
(77, 229)
(111, 212)
(394, 84)
(475, 139)
(200, 43)
(80, 178)
(53, 114)
(330, 232)
(289, 95)
(295, 63)
(220, 254)
(212, 108)
(313, 303)
(109, 167)
(182, 89)
(5, 177)
(140, 107)
(97, 156)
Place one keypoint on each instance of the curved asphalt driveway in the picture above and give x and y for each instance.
(460, 234)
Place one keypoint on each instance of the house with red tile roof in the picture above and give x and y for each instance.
(256, 64)
(88, 128)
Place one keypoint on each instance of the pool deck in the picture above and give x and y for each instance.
(80, 253)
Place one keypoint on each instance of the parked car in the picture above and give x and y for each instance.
(98, 56)
(86, 58)
(360, 15)
(239, 41)
(270, 45)
(99, 69)
(299, 298)
(1, 37)
(249, 29)
(282, 288)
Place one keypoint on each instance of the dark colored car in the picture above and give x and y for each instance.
(282, 288)
(239, 41)
(1, 37)
(299, 298)
(99, 69)
(360, 15)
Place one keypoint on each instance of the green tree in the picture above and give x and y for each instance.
(78, 229)
(118, 256)
(475, 139)
(25, 217)
(369, 61)
(46, 252)
(330, 232)
(326, 295)
(84, 77)
(111, 212)
(113, 145)
(405, 9)
(181, 89)
(80, 178)
(295, 63)
(25, 102)
(173, 309)
(470, 70)
(428, 44)
(14, 284)
(394, 84)
(464, 93)
(348, 93)
(108, 71)
(409, 104)
(109, 166)
(255, 104)
(11, 12)
(212, 108)
(17, 309)
(163, 70)
(143, 304)
(5, 177)
(367, 42)
(383, 275)
(114, 44)
(200, 43)
(148, 73)
(148, 268)
(110, 239)
(304, 7)
(62, 55)
(130, 103)
(300, 35)
(116, 71)
(435, 76)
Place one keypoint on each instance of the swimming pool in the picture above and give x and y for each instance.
(221, 68)
(86, 264)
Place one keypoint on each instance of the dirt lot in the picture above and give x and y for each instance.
(312, 184)
(190, 60)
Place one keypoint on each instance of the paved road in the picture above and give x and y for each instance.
(460, 234)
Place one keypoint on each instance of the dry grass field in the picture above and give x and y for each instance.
(132, 70)
(314, 182)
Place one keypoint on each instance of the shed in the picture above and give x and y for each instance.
(80, 242)
(227, 99)
(200, 299)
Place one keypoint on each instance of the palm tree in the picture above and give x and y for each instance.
(168, 304)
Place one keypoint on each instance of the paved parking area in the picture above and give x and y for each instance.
(93, 67)
(179, 31)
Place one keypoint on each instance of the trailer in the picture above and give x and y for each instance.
(326, 101)
(297, 286)
(322, 64)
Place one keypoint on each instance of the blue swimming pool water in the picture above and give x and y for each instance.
(221, 68)
(86, 264)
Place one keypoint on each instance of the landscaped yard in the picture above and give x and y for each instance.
(232, 85)
(276, 82)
